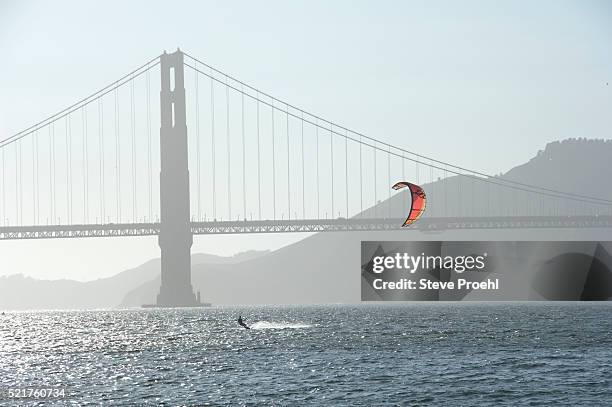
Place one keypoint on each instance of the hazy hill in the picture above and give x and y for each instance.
(20, 292)
(575, 165)
(325, 267)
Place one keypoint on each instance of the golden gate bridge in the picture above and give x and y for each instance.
(231, 158)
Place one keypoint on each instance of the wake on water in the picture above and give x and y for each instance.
(277, 325)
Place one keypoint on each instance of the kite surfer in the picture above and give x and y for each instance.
(241, 322)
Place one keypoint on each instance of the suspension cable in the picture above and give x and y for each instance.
(331, 148)
(197, 125)
(360, 178)
(346, 194)
(258, 166)
(101, 154)
(4, 217)
(68, 181)
(303, 176)
(444, 166)
(52, 129)
(229, 153)
(244, 208)
(34, 177)
(212, 132)
(133, 130)
(149, 143)
(273, 169)
(117, 159)
(75, 106)
(418, 156)
(85, 167)
(318, 189)
(288, 168)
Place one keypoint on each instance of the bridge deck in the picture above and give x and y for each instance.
(306, 226)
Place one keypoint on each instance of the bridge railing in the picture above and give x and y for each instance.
(309, 226)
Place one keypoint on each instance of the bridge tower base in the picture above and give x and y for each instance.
(175, 237)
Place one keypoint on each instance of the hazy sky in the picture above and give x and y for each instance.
(477, 83)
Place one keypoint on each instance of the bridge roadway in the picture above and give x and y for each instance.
(308, 226)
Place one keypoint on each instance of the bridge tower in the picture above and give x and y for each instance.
(175, 237)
